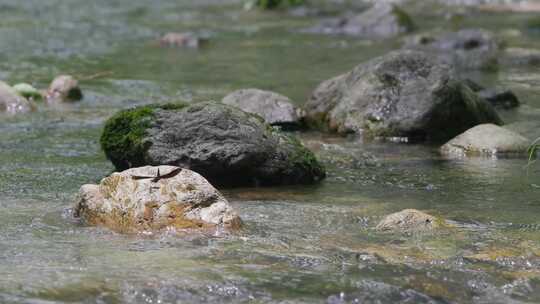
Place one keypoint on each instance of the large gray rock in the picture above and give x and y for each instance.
(276, 109)
(155, 198)
(486, 140)
(402, 94)
(383, 20)
(223, 143)
(466, 49)
(409, 220)
(11, 102)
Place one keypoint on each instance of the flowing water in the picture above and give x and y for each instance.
(302, 244)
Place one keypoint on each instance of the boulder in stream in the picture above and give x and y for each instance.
(500, 97)
(275, 108)
(226, 145)
(467, 49)
(381, 21)
(486, 140)
(150, 199)
(64, 88)
(520, 56)
(497, 96)
(402, 94)
(11, 102)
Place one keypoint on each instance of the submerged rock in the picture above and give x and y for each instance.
(500, 97)
(520, 56)
(188, 40)
(155, 198)
(486, 140)
(28, 91)
(64, 88)
(409, 220)
(402, 94)
(223, 143)
(383, 20)
(497, 96)
(11, 102)
(466, 49)
(276, 109)
(511, 6)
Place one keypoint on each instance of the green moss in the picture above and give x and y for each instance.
(404, 19)
(123, 135)
(27, 91)
(302, 157)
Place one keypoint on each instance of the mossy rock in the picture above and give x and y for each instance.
(123, 135)
(28, 91)
(223, 143)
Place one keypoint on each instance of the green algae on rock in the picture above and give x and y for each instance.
(28, 91)
(148, 199)
(223, 143)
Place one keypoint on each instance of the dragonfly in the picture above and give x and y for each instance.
(158, 177)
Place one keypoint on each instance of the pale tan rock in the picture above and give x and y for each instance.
(64, 88)
(137, 200)
(188, 40)
(11, 102)
(486, 140)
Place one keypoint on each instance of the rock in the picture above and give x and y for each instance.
(271, 4)
(223, 143)
(11, 102)
(188, 40)
(500, 97)
(520, 7)
(276, 109)
(401, 94)
(497, 96)
(486, 140)
(27, 91)
(466, 49)
(64, 88)
(520, 56)
(383, 20)
(135, 201)
(409, 220)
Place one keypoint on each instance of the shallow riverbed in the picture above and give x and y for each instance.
(302, 244)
